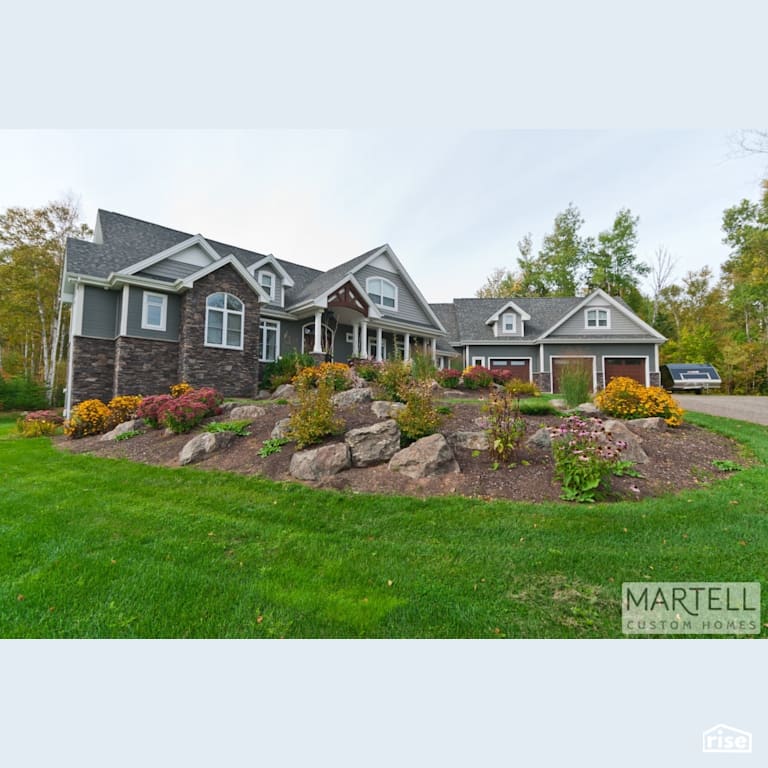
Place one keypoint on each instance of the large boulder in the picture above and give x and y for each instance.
(282, 429)
(651, 424)
(384, 409)
(588, 409)
(243, 412)
(541, 439)
(351, 397)
(426, 457)
(471, 441)
(121, 429)
(284, 392)
(320, 462)
(203, 445)
(374, 444)
(619, 431)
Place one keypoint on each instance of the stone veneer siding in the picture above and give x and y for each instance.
(232, 372)
(145, 366)
(94, 369)
(543, 381)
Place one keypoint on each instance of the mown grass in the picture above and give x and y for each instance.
(106, 548)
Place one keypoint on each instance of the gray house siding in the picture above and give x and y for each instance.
(169, 270)
(173, 315)
(487, 351)
(101, 313)
(621, 325)
(277, 282)
(408, 307)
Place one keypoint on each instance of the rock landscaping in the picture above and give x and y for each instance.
(368, 455)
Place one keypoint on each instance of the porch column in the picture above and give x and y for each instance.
(318, 350)
(434, 350)
(379, 344)
(364, 339)
(407, 347)
(354, 340)
(424, 345)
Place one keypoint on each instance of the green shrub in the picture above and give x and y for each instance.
(127, 435)
(536, 407)
(419, 418)
(272, 445)
(313, 418)
(394, 379)
(576, 384)
(239, 427)
(506, 427)
(19, 393)
(366, 369)
(281, 371)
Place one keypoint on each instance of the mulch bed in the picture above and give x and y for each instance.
(680, 458)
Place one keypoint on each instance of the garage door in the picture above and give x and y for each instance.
(561, 364)
(520, 369)
(631, 367)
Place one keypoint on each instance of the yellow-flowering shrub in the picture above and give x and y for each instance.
(177, 390)
(624, 398)
(336, 374)
(123, 408)
(313, 418)
(91, 417)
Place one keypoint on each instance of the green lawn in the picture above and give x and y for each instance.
(104, 548)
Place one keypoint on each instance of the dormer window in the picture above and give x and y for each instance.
(383, 293)
(597, 318)
(509, 323)
(267, 282)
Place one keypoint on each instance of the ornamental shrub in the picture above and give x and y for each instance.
(91, 417)
(520, 388)
(177, 390)
(39, 424)
(585, 455)
(182, 414)
(367, 369)
(282, 370)
(625, 398)
(477, 377)
(338, 376)
(312, 418)
(423, 367)
(152, 409)
(506, 427)
(449, 378)
(394, 379)
(419, 418)
(124, 408)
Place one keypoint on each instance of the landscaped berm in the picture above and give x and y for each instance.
(391, 514)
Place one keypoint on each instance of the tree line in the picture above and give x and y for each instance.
(723, 321)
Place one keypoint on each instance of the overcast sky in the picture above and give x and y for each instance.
(452, 205)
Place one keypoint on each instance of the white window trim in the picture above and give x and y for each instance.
(598, 327)
(481, 359)
(271, 291)
(504, 331)
(372, 348)
(388, 282)
(225, 322)
(262, 330)
(145, 324)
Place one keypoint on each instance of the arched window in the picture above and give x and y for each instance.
(224, 314)
(382, 292)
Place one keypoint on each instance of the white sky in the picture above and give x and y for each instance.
(452, 204)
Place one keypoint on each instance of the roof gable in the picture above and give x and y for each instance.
(510, 305)
(194, 251)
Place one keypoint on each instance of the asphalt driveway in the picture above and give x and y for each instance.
(744, 407)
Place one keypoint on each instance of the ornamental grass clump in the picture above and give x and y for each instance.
(506, 427)
(313, 418)
(91, 417)
(419, 418)
(585, 456)
(575, 384)
(625, 398)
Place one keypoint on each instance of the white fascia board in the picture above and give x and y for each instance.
(172, 251)
(414, 330)
(408, 281)
(588, 340)
(600, 293)
(321, 301)
(270, 259)
(116, 280)
(188, 282)
(509, 305)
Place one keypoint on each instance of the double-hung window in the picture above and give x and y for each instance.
(224, 314)
(509, 323)
(267, 282)
(154, 310)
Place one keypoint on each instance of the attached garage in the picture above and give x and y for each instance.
(520, 367)
(561, 364)
(630, 367)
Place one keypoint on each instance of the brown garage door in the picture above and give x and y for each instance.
(560, 364)
(631, 367)
(521, 369)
